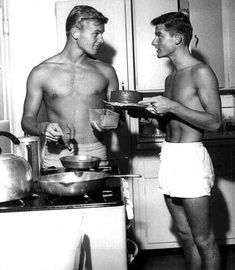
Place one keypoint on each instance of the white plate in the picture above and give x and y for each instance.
(126, 106)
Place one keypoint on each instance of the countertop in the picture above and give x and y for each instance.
(207, 136)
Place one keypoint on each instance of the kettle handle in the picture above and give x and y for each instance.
(10, 136)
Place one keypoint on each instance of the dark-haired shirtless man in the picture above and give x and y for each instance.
(189, 105)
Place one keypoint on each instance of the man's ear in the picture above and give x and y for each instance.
(178, 39)
(75, 32)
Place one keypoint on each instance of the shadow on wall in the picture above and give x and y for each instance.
(200, 57)
(118, 143)
(106, 53)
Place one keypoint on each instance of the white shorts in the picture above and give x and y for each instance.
(186, 170)
(51, 158)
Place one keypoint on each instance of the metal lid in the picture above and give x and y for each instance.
(29, 139)
(8, 156)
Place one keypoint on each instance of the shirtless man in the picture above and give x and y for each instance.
(189, 105)
(70, 83)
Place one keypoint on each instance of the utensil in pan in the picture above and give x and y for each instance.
(76, 183)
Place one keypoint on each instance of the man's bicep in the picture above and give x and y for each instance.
(33, 99)
(113, 83)
(207, 86)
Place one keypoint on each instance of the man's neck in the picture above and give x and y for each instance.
(182, 59)
(73, 54)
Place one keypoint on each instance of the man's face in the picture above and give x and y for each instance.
(90, 36)
(164, 42)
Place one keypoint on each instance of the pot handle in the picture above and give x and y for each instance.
(30, 154)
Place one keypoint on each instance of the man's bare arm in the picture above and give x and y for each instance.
(32, 104)
(113, 82)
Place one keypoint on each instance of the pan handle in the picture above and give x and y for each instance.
(126, 175)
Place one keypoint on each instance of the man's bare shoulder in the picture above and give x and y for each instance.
(203, 72)
(43, 70)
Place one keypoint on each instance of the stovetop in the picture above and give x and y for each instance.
(110, 195)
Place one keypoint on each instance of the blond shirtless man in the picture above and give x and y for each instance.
(189, 105)
(70, 83)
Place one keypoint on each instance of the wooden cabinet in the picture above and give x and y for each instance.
(207, 42)
(153, 224)
(223, 199)
(214, 36)
(150, 72)
(228, 8)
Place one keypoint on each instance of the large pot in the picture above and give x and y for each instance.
(16, 175)
(76, 183)
(29, 148)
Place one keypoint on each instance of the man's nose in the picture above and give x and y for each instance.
(154, 43)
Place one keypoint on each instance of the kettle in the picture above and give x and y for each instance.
(16, 174)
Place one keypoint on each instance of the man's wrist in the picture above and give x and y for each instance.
(42, 128)
(174, 107)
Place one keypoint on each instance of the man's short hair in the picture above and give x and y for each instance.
(176, 22)
(81, 13)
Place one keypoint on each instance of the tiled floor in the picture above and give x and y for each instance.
(172, 259)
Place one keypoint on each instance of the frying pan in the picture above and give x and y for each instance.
(76, 183)
(83, 162)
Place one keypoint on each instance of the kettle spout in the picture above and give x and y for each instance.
(10, 136)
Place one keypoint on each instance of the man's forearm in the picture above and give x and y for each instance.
(32, 127)
(200, 119)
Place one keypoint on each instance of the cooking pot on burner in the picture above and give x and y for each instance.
(76, 183)
(16, 174)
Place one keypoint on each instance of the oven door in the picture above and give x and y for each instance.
(66, 239)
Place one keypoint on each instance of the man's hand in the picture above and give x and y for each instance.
(52, 132)
(158, 105)
(96, 126)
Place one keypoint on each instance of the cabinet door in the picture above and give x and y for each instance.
(229, 40)
(150, 72)
(114, 49)
(223, 192)
(153, 224)
(207, 42)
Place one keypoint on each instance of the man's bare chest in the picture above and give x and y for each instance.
(181, 88)
(75, 83)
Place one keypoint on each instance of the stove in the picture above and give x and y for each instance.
(110, 195)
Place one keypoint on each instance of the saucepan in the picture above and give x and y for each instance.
(76, 183)
(83, 162)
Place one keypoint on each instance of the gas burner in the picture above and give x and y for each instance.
(65, 200)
